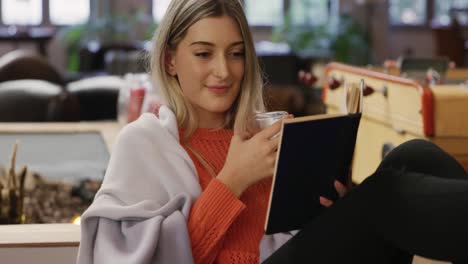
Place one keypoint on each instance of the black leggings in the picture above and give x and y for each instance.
(416, 203)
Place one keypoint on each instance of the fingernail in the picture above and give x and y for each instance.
(324, 201)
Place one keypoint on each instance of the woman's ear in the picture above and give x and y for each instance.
(170, 63)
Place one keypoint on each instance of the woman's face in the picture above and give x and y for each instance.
(209, 64)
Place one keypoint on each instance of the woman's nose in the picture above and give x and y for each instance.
(221, 68)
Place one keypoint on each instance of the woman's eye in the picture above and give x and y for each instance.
(202, 54)
(239, 54)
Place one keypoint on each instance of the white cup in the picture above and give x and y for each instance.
(261, 121)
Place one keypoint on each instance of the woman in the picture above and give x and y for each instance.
(190, 185)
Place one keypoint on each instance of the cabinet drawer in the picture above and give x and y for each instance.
(400, 103)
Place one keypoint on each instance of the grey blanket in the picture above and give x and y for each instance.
(140, 213)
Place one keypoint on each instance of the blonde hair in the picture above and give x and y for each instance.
(179, 17)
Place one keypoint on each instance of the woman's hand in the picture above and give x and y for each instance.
(250, 159)
(340, 188)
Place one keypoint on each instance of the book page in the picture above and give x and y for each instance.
(353, 97)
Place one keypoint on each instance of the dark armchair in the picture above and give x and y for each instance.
(35, 101)
(93, 56)
(23, 64)
(97, 96)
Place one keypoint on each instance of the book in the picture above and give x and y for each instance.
(313, 152)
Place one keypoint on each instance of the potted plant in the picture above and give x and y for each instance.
(114, 28)
(342, 39)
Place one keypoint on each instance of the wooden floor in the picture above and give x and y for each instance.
(420, 260)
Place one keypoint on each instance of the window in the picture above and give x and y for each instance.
(22, 12)
(309, 12)
(69, 12)
(271, 12)
(264, 12)
(442, 12)
(35, 12)
(300, 12)
(159, 9)
(427, 12)
(408, 12)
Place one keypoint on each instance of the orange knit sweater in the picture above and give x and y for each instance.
(223, 228)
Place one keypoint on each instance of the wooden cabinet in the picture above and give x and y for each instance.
(399, 110)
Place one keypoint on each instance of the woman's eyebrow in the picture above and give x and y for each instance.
(206, 43)
(237, 43)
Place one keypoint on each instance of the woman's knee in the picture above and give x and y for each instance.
(412, 154)
(423, 156)
(414, 147)
(418, 144)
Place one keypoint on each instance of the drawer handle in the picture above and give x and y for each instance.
(400, 131)
(368, 90)
(386, 148)
(306, 78)
(334, 83)
(385, 91)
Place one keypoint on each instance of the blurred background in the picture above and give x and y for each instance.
(352, 31)
(79, 39)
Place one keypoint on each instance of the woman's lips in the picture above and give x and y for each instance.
(219, 89)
